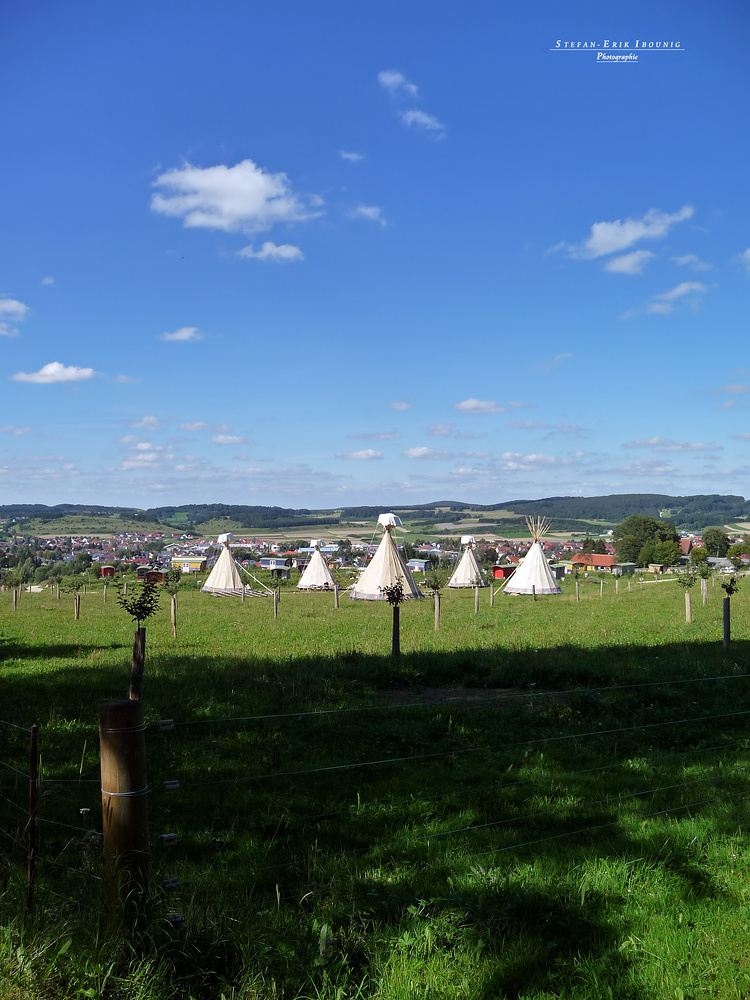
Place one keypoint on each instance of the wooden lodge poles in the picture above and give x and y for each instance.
(122, 743)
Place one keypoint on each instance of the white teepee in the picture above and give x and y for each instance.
(533, 575)
(317, 575)
(225, 579)
(386, 568)
(468, 573)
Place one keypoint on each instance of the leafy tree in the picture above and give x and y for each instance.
(716, 541)
(736, 552)
(698, 555)
(667, 553)
(631, 537)
(588, 546)
(141, 604)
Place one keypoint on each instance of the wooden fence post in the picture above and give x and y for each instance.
(15, 598)
(726, 623)
(704, 589)
(688, 608)
(578, 590)
(58, 591)
(629, 582)
(437, 610)
(617, 586)
(173, 614)
(335, 595)
(105, 592)
(396, 638)
(533, 591)
(32, 827)
(76, 606)
(492, 595)
(276, 603)
(476, 600)
(139, 665)
(122, 744)
(601, 588)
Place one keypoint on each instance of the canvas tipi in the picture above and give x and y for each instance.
(533, 575)
(317, 575)
(468, 572)
(225, 579)
(386, 567)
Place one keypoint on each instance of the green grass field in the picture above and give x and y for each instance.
(541, 800)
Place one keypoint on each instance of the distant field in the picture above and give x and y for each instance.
(540, 800)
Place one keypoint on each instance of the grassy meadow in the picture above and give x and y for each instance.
(541, 800)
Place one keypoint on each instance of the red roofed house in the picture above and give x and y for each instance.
(594, 562)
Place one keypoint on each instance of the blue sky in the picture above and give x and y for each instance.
(375, 252)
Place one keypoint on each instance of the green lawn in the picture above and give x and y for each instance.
(541, 800)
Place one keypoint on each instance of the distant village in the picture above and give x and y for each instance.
(33, 559)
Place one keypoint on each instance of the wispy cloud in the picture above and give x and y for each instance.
(242, 198)
(15, 431)
(664, 445)
(440, 430)
(55, 372)
(366, 455)
(148, 422)
(693, 262)
(630, 263)
(184, 333)
(400, 406)
(612, 237)
(663, 303)
(372, 213)
(11, 311)
(201, 425)
(47, 280)
(424, 452)
(397, 84)
(284, 253)
(422, 122)
(230, 439)
(647, 467)
(376, 436)
(351, 157)
(743, 259)
(549, 366)
(534, 425)
(479, 406)
(126, 379)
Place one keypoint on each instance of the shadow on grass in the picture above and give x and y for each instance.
(489, 821)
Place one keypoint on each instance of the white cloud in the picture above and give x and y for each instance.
(366, 455)
(376, 436)
(48, 280)
(16, 431)
(728, 405)
(662, 303)
(423, 452)
(647, 467)
(630, 263)
(693, 262)
(351, 157)
(739, 437)
(11, 311)
(147, 422)
(400, 406)
(200, 425)
(372, 213)
(663, 444)
(422, 122)
(55, 372)
(735, 388)
(126, 379)
(184, 333)
(744, 259)
(397, 84)
(479, 406)
(440, 430)
(229, 439)
(283, 253)
(239, 198)
(610, 237)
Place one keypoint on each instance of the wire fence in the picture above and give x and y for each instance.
(283, 793)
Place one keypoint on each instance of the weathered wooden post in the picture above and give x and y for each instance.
(578, 590)
(15, 598)
(492, 595)
(688, 608)
(122, 743)
(704, 589)
(138, 666)
(276, 603)
(58, 591)
(32, 824)
(76, 606)
(726, 622)
(476, 600)
(335, 595)
(617, 586)
(601, 588)
(436, 594)
(173, 614)
(629, 587)
(533, 591)
(396, 633)
(105, 592)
